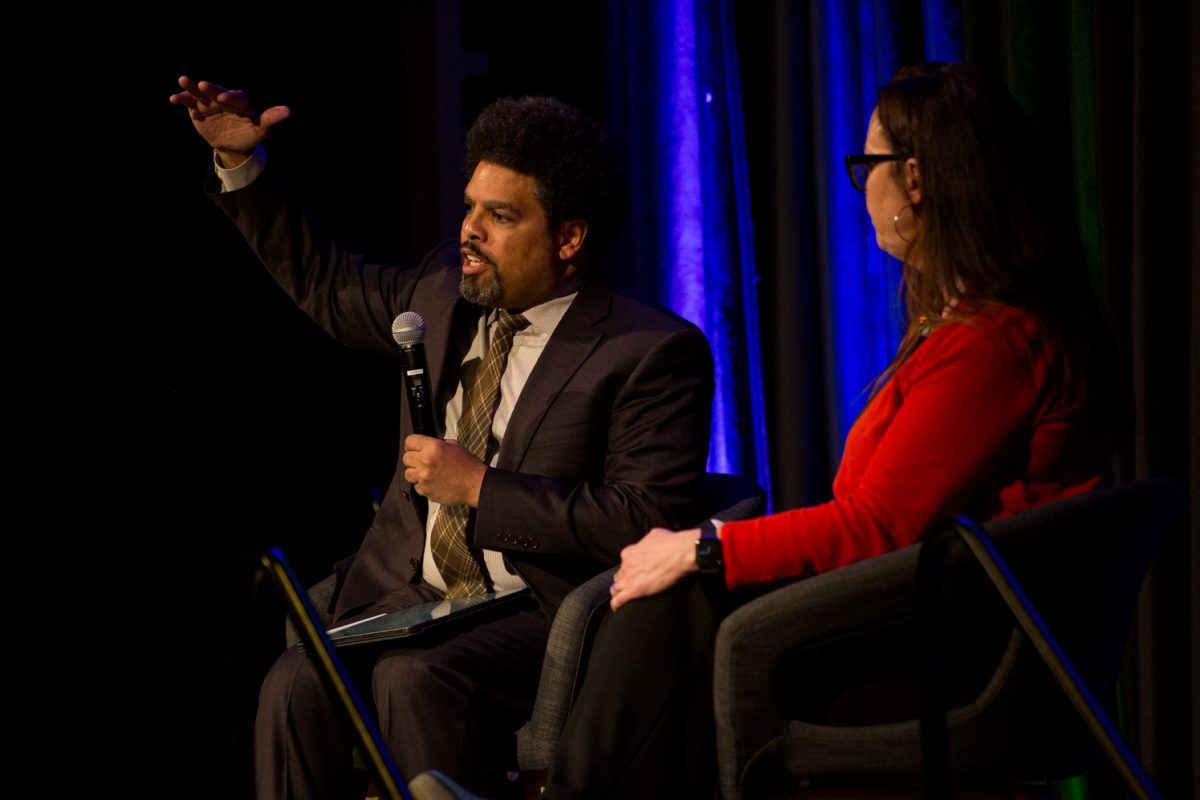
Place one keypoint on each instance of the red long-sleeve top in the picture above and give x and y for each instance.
(977, 421)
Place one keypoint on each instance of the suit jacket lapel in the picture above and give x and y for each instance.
(576, 336)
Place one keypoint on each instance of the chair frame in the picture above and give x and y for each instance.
(934, 740)
(311, 630)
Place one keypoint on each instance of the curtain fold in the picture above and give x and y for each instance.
(677, 110)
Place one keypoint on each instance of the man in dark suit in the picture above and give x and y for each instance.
(598, 430)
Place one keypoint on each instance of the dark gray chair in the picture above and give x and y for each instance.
(1008, 723)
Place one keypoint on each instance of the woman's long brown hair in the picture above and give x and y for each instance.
(993, 222)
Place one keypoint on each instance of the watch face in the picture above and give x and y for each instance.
(709, 556)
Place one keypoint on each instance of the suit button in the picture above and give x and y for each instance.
(412, 562)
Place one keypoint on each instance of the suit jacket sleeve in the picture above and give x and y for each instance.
(639, 452)
(351, 298)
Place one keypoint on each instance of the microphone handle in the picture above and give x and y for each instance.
(416, 383)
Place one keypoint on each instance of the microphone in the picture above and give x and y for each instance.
(408, 329)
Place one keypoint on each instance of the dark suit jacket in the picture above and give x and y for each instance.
(608, 438)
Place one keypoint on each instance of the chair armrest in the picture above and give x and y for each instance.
(754, 640)
(562, 671)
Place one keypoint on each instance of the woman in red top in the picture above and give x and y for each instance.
(997, 401)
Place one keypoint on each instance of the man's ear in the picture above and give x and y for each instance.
(912, 181)
(568, 238)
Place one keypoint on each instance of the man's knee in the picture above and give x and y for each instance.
(292, 679)
(413, 679)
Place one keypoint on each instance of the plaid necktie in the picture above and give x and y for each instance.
(461, 568)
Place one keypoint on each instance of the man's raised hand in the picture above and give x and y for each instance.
(226, 118)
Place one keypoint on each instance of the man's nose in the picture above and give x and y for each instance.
(471, 228)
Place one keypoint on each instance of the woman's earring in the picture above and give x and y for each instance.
(896, 224)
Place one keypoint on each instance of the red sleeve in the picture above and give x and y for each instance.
(928, 441)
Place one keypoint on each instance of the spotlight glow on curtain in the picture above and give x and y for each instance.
(858, 49)
(704, 242)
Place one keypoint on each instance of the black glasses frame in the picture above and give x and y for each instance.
(858, 167)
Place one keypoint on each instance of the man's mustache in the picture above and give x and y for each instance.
(471, 247)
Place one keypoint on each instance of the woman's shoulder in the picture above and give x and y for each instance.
(1004, 330)
(994, 318)
(987, 340)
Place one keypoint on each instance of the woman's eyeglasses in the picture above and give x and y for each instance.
(859, 167)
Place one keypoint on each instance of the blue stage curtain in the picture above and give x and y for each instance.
(677, 107)
(857, 48)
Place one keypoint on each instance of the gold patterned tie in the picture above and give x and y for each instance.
(460, 568)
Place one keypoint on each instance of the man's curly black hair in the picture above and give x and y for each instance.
(566, 153)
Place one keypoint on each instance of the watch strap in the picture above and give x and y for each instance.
(710, 556)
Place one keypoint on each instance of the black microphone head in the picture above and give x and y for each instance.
(408, 328)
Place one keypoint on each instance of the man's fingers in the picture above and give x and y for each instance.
(189, 94)
(233, 98)
(210, 90)
(206, 97)
(274, 115)
(415, 441)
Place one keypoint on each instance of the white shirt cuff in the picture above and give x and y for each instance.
(243, 174)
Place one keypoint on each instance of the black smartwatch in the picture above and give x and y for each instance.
(709, 556)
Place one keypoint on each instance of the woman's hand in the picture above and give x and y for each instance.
(654, 564)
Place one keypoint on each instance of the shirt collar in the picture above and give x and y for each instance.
(545, 316)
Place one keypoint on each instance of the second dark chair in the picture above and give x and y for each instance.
(1081, 562)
